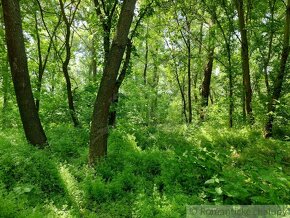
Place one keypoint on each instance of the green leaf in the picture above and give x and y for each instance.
(219, 190)
(27, 189)
(210, 181)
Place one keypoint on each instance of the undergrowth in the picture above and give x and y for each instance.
(148, 172)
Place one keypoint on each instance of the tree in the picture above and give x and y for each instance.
(227, 38)
(65, 63)
(186, 35)
(105, 10)
(205, 90)
(99, 125)
(42, 57)
(278, 83)
(245, 60)
(126, 63)
(20, 75)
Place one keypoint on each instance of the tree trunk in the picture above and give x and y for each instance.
(94, 61)
(40, 64)
(280, 77)
(5, 84)
(99, 126)
(270, 48)
(106, 40)
(113, 112)
(146, 58)
(231, 94)
(65, 65)
(5, 90)
(183, 99)
(245, 62)
(153, 102)
(189, 81)
(106, 17)
(20, 75)
(205, 92)
(195, 79)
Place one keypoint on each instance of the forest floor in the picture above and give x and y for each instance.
(149, 172)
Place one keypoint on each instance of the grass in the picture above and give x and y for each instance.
(149, 172)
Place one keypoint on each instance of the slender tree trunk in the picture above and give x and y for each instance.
(146, 58)
(245, 61)
(20, 75)
(126, 63)
(40, 64)
(145, 71)
(154, 100)
(5, 90)
(106, 18)
(99, 126)
(183, 98)
(270, 48)
(278, 84)
(244, 112)
(205, 92)
(42, 61)
(189, 81)
(266, 64)
(65, 65)
(5, 84)
(231, 95)
(195, 79)
(94, 61)
(227, 39)
(121, 77)
(180, 86)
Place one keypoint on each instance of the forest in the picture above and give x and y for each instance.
(139, 108)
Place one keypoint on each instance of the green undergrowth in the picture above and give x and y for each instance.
(148, 172)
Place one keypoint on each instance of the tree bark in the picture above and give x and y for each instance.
(245, 61)
(278, 84)
(20, 75)
(99, 125)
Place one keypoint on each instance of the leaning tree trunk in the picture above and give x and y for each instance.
(280, 77)
(99, 126)
(245, 61)
(20, 75)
